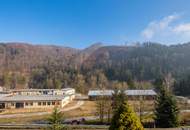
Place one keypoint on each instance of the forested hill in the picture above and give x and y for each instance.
(43, 66)
(143, 62)
(23, 57)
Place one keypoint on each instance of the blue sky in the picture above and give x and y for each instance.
(79, 23)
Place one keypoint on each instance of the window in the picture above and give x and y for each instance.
(26, 103)
(49, 103)
(12, 104)
(39, 103)
(53, 103)
(44, 103)
(31, 104)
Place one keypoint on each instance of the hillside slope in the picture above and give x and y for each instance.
(45, 66)
(23, 57)
(143, 62)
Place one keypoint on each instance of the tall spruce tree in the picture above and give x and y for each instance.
(125, 118)
(166, 111)
(55, 120)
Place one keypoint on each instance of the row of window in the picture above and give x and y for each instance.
(42, 103)
(29, 103)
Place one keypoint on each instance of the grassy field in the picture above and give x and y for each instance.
(88, 109)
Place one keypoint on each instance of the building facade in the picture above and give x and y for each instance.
(36, 98)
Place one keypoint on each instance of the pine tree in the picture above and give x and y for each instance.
(158, 83)
(125, 118)
(55, 120)
(166, 111)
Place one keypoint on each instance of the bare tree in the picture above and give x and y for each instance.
(104, 108)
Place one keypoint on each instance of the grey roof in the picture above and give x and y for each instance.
(140, 92)
(127, 92)
(32, 90)
(32, 98)
(4, 95)
(100, 92)
(66, 89)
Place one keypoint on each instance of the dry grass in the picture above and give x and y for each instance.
(87, 109)
(25, 110)
(185, 116)
(145, 105)
(23, 120)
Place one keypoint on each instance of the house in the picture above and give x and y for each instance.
(36, 98)
(131, 94)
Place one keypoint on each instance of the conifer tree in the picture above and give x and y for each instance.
(119, 97)
(55, 120)
(125, 118)
(166, 111)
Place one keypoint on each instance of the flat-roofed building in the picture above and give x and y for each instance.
(96, 94)
(36, 98)
(131, 94)
(41, 101)
(65, 91)
(144, 94)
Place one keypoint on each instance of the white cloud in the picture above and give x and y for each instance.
(182, 28)
(167, 30)
(148, 32)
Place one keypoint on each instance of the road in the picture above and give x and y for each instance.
(77, 105)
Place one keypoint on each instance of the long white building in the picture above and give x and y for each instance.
(36, 98)
(148, 94)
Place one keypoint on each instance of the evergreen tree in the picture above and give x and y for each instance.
(55, 120)
(119, 98)
(182, 86)
(130, 82)
(158, 83)
(166, 111)
(125, 118)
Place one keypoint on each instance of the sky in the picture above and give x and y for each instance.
(80, 23)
